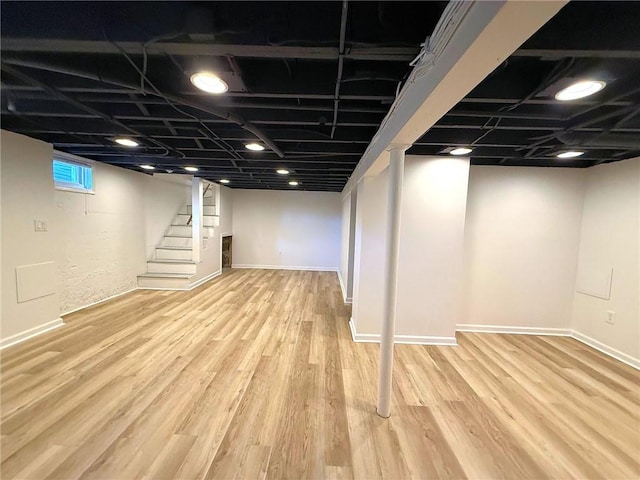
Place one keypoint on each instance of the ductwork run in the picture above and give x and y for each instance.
(613, 140)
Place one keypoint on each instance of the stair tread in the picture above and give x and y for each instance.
(166, 275)
(174, 248)
(164, 260)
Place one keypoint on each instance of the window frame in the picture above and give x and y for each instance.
(73, 160)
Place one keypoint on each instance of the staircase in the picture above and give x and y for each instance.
(172, 266)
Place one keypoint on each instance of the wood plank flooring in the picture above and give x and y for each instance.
(254, 375)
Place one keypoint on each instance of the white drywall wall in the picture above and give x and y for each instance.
(344, 244)
(164, 195)
(610, 239)
(370, 244)
(430, 275)
(286, 229)
(349, 204)
(430, 285)
(27, 195)
(522, 232)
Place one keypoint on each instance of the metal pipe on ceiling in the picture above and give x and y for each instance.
(231, 117)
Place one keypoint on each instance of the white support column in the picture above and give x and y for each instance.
(392, 250)
(196, 218)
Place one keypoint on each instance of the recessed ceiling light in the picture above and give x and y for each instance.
(148, 167)
(127, 142)
(209, 82)
(256, 147)
(461, 151)
(293, 183)
(191, 169)
(580, 90)
(570, 154)
(282, 171)
(224, 180)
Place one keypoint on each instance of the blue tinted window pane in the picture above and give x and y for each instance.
(72, 175)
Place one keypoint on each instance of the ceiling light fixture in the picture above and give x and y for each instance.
(293, 183)
(580, 90)
(127, 142)
(148, 167)
(570, 154)
(209, 82)
(224, 180)
(282, 171)
(191, 169)
(256, 147)
(461, 151)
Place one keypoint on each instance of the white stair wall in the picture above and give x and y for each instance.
(172, 266)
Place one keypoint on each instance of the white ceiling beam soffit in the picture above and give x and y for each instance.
(469, 42)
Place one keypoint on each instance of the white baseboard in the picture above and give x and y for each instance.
(346, 299)
(401, 339)
(467, 327)
(205, 279)
(558, 332)
(285, 267)
(32, 332)
(188, 288)
(612, 352)
(98, 302)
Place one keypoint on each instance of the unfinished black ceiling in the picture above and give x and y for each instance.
(311, 81)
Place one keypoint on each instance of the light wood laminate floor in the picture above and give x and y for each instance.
(255, 375)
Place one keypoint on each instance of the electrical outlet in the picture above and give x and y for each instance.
(611, 317)
(40, 225)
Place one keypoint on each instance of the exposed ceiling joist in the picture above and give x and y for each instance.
(560, 53)
(200, 95)
(315, 82)
(487, 34)
(396, 54)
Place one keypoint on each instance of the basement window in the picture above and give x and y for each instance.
(72, 176)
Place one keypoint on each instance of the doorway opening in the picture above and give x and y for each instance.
(227, 247)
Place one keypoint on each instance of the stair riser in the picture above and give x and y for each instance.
(184, 230)
(162, 254)
(176, 242)
(171, 268)
(164, 283)
(206, 210)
